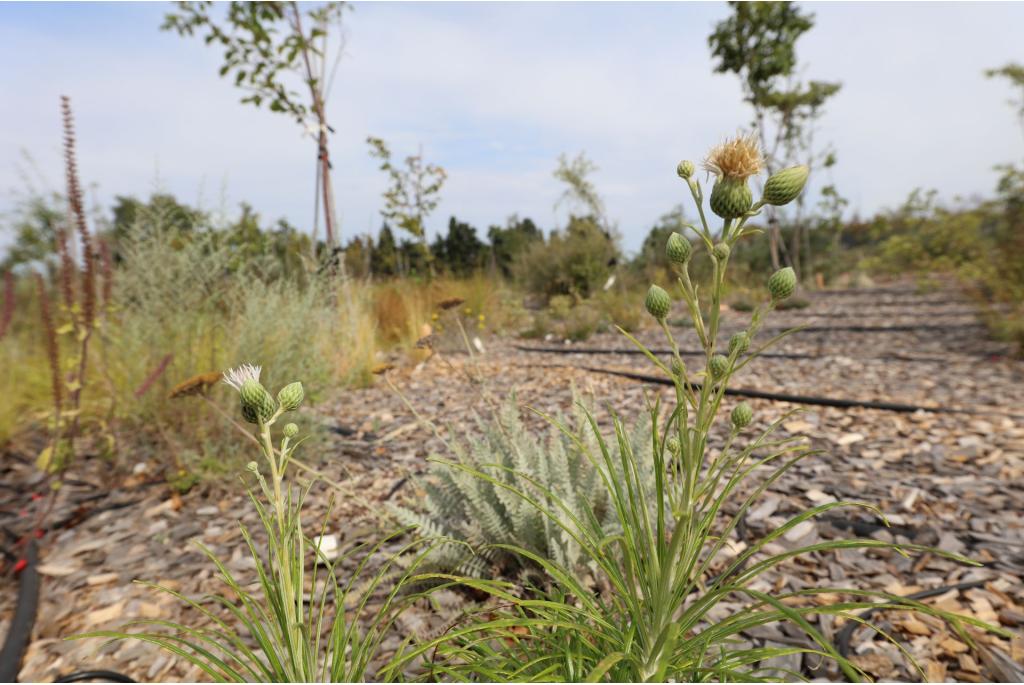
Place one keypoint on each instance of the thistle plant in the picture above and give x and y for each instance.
(669, 562)
(299, 627)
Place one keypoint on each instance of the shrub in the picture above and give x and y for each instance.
(575, 262)
(184, 308)
(488, 516)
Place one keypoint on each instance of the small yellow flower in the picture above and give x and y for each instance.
(739, 158)
(481, 317)
(468, 311)
(434, 317)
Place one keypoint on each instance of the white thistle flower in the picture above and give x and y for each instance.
(238, 376)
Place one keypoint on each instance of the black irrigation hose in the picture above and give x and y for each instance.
(107, 676)
(907, 294)
(845, 634)
(915, 328)
(20, 632)
(701, 353)
(802, 313)
(797, 399)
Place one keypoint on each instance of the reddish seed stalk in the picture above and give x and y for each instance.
(8, 311)
(78, 215)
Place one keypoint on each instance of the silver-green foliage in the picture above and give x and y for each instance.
(488, 513)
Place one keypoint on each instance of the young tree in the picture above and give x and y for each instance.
(263, 43)
(413, 193)
(580, 192)
(758, 44)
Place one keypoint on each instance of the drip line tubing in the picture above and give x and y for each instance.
(795, 399)
(700, 353)
(20, 631)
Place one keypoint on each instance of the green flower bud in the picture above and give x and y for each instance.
(290, 430)
(721, 251)
(673, 446)
(718, 366)
(685, 169)
(782, 284)
(731, 198)
(291, 396)
(742, 415)
(657, 302)
(739, 341)
(679, 249)
(678, 368)
(252, 466)
(257, 404)
(784, 186)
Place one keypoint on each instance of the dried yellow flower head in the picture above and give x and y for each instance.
(736, 159)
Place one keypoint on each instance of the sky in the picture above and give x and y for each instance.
(494, 93)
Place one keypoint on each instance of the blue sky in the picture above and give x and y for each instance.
(494, 93)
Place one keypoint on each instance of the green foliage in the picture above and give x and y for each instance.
(576, 261)
(263, 42)
(758, 42)
(461, 252)
(190, 297)
(511, 241)
(384, 261)
(414, 190)
(486, 514)
(33, 228)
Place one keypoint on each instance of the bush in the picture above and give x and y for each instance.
(486, 514)
(575, 262)
(184, 307)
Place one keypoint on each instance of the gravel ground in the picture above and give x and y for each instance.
(952, 480)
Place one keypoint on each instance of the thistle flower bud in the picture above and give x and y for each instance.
(678, 368)
(783, 187)
(678, 249)
(673, 445)
(657, 302)
(782, 284)
(718, 366)
(257, 404)
(731, 198)
(721, 251)
(252, 466)
(290, 430)
(739, 341)
(290, 396)
(685, 169)
(742, 415)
